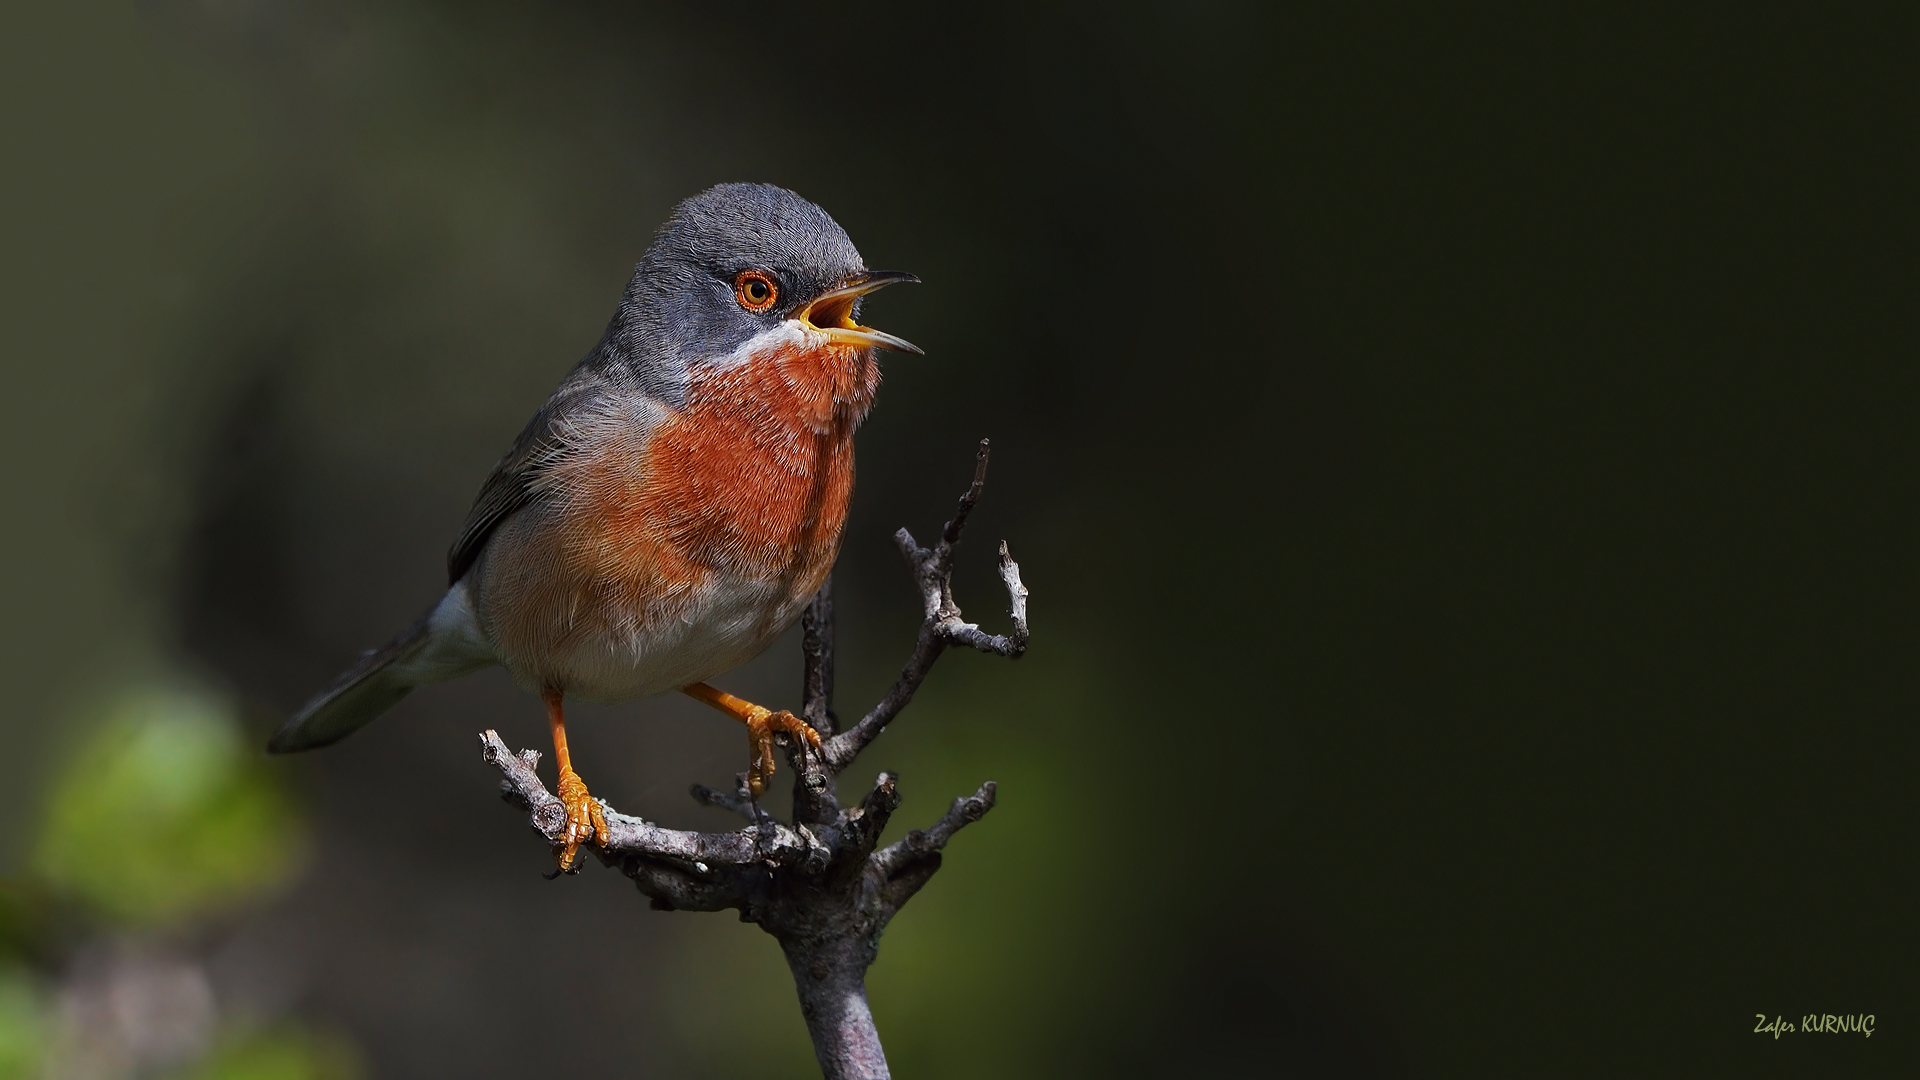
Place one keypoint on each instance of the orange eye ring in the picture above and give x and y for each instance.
(755, 291)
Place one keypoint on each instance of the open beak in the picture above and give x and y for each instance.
(831, 313)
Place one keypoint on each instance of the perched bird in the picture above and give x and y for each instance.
(677, 501)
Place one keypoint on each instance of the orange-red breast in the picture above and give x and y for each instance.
(678, 500)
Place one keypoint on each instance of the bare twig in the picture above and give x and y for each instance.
(866, 822)
(816, 646)
(917, 844)
(1016, 602)
(817, 884)
(942, 624)
(740, 800)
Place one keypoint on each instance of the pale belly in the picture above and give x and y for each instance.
(729, 622)
(725, 625)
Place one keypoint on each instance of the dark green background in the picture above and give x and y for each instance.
(1463, 462)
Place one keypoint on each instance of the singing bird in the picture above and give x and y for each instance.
(674, 505)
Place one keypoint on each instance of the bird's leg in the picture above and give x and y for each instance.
(585, 816)
(761, 725)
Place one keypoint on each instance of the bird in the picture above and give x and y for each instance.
(674, 505)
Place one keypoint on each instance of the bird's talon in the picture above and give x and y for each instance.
(586, 820)
(762, 725)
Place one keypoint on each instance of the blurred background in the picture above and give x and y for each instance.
(1463, 462)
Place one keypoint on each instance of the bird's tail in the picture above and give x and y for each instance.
(439, 645)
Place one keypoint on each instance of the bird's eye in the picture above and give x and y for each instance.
(755, 291)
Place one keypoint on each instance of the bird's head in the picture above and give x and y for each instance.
(740, 266)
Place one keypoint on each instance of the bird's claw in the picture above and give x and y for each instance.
(762, 725)
(586, 820)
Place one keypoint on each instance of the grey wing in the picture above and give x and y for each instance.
(515, 481)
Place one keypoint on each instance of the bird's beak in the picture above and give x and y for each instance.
(831, 313)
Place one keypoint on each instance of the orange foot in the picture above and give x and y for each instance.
(586, 819)
(761, 726)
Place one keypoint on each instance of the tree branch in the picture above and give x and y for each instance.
(817, 884)
(941, 624)
(816, 647)
(918, 844)
(770, 841)
(740, 800)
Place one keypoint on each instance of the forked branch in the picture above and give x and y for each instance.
(941, 624)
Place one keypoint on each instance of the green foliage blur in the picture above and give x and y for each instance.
(285, 1053)
(163, 822)
(165, 815)
(22, 1021)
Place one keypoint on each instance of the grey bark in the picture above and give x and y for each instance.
(819, 882)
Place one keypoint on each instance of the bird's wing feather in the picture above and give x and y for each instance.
(515, 481)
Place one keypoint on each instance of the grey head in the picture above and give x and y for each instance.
(732, 263)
